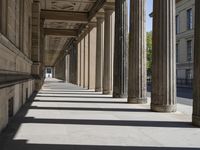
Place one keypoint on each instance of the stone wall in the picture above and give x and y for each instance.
(16, 83)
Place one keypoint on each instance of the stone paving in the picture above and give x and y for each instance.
(66, 117)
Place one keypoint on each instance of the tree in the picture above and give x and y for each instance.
(149, 53)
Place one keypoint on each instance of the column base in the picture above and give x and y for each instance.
(116, 95)
(86, 88)
(107, 92)
(196, 120)
(98, 90)
(163, 108)
(132, 100)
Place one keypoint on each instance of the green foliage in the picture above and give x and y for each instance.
(149, 53)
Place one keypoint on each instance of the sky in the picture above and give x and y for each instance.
(149, 9)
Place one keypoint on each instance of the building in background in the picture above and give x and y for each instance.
(185, 11)
(49, 72)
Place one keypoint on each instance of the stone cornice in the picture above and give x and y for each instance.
(10, 79)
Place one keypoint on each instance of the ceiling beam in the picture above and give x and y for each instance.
(96, 7)
(94, 10)
(60, 32)
(79, 17)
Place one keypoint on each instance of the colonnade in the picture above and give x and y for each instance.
(121, 71)
(86, 54)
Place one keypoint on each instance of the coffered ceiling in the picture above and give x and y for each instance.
(54, 44)
(63, 20)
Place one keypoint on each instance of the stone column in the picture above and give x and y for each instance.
(42, 51)
(107, 73)
(53, 72)
(99, 50)
(196, 83)
(120, 70)
(67, 68)
(137, 53)
(79, 63)
(92, 53)
(83, 63)
(74, 61)
(86, 42)
(164, 57)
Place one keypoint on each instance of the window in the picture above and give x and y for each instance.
(188, 74)
(189, 50)
(177, 53)
(10, 107)
(189, 19)
(177, 25)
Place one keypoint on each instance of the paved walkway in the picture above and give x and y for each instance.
(66, 117)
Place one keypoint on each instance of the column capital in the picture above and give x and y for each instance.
(36, 1)
(109, 7)
(92, 24)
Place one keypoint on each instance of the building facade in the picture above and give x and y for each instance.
(86, 44)
(185, 14)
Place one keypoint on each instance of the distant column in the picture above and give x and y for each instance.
(83, 63)
(99, 50)
(107, 73)
(137, 54)
(196, 83)
(79, 63)
(120, 70)
(92, 54)
(164, 57)
(86, 39)
(75, 56)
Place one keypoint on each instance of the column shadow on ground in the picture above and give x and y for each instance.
(78, 93)
(131, 123)
(76, 96)
(23, 145)
(76, 101)
(92, 109)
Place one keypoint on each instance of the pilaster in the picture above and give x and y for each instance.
(35, 56)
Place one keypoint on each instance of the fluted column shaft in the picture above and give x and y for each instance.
(196, 83)
(79, 63)
(120, 70)
(86, 40)
(107, 73)
(83, 63)
(164, 54)
(137, 53)
(99, 50)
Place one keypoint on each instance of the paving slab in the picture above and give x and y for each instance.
(66, 117)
